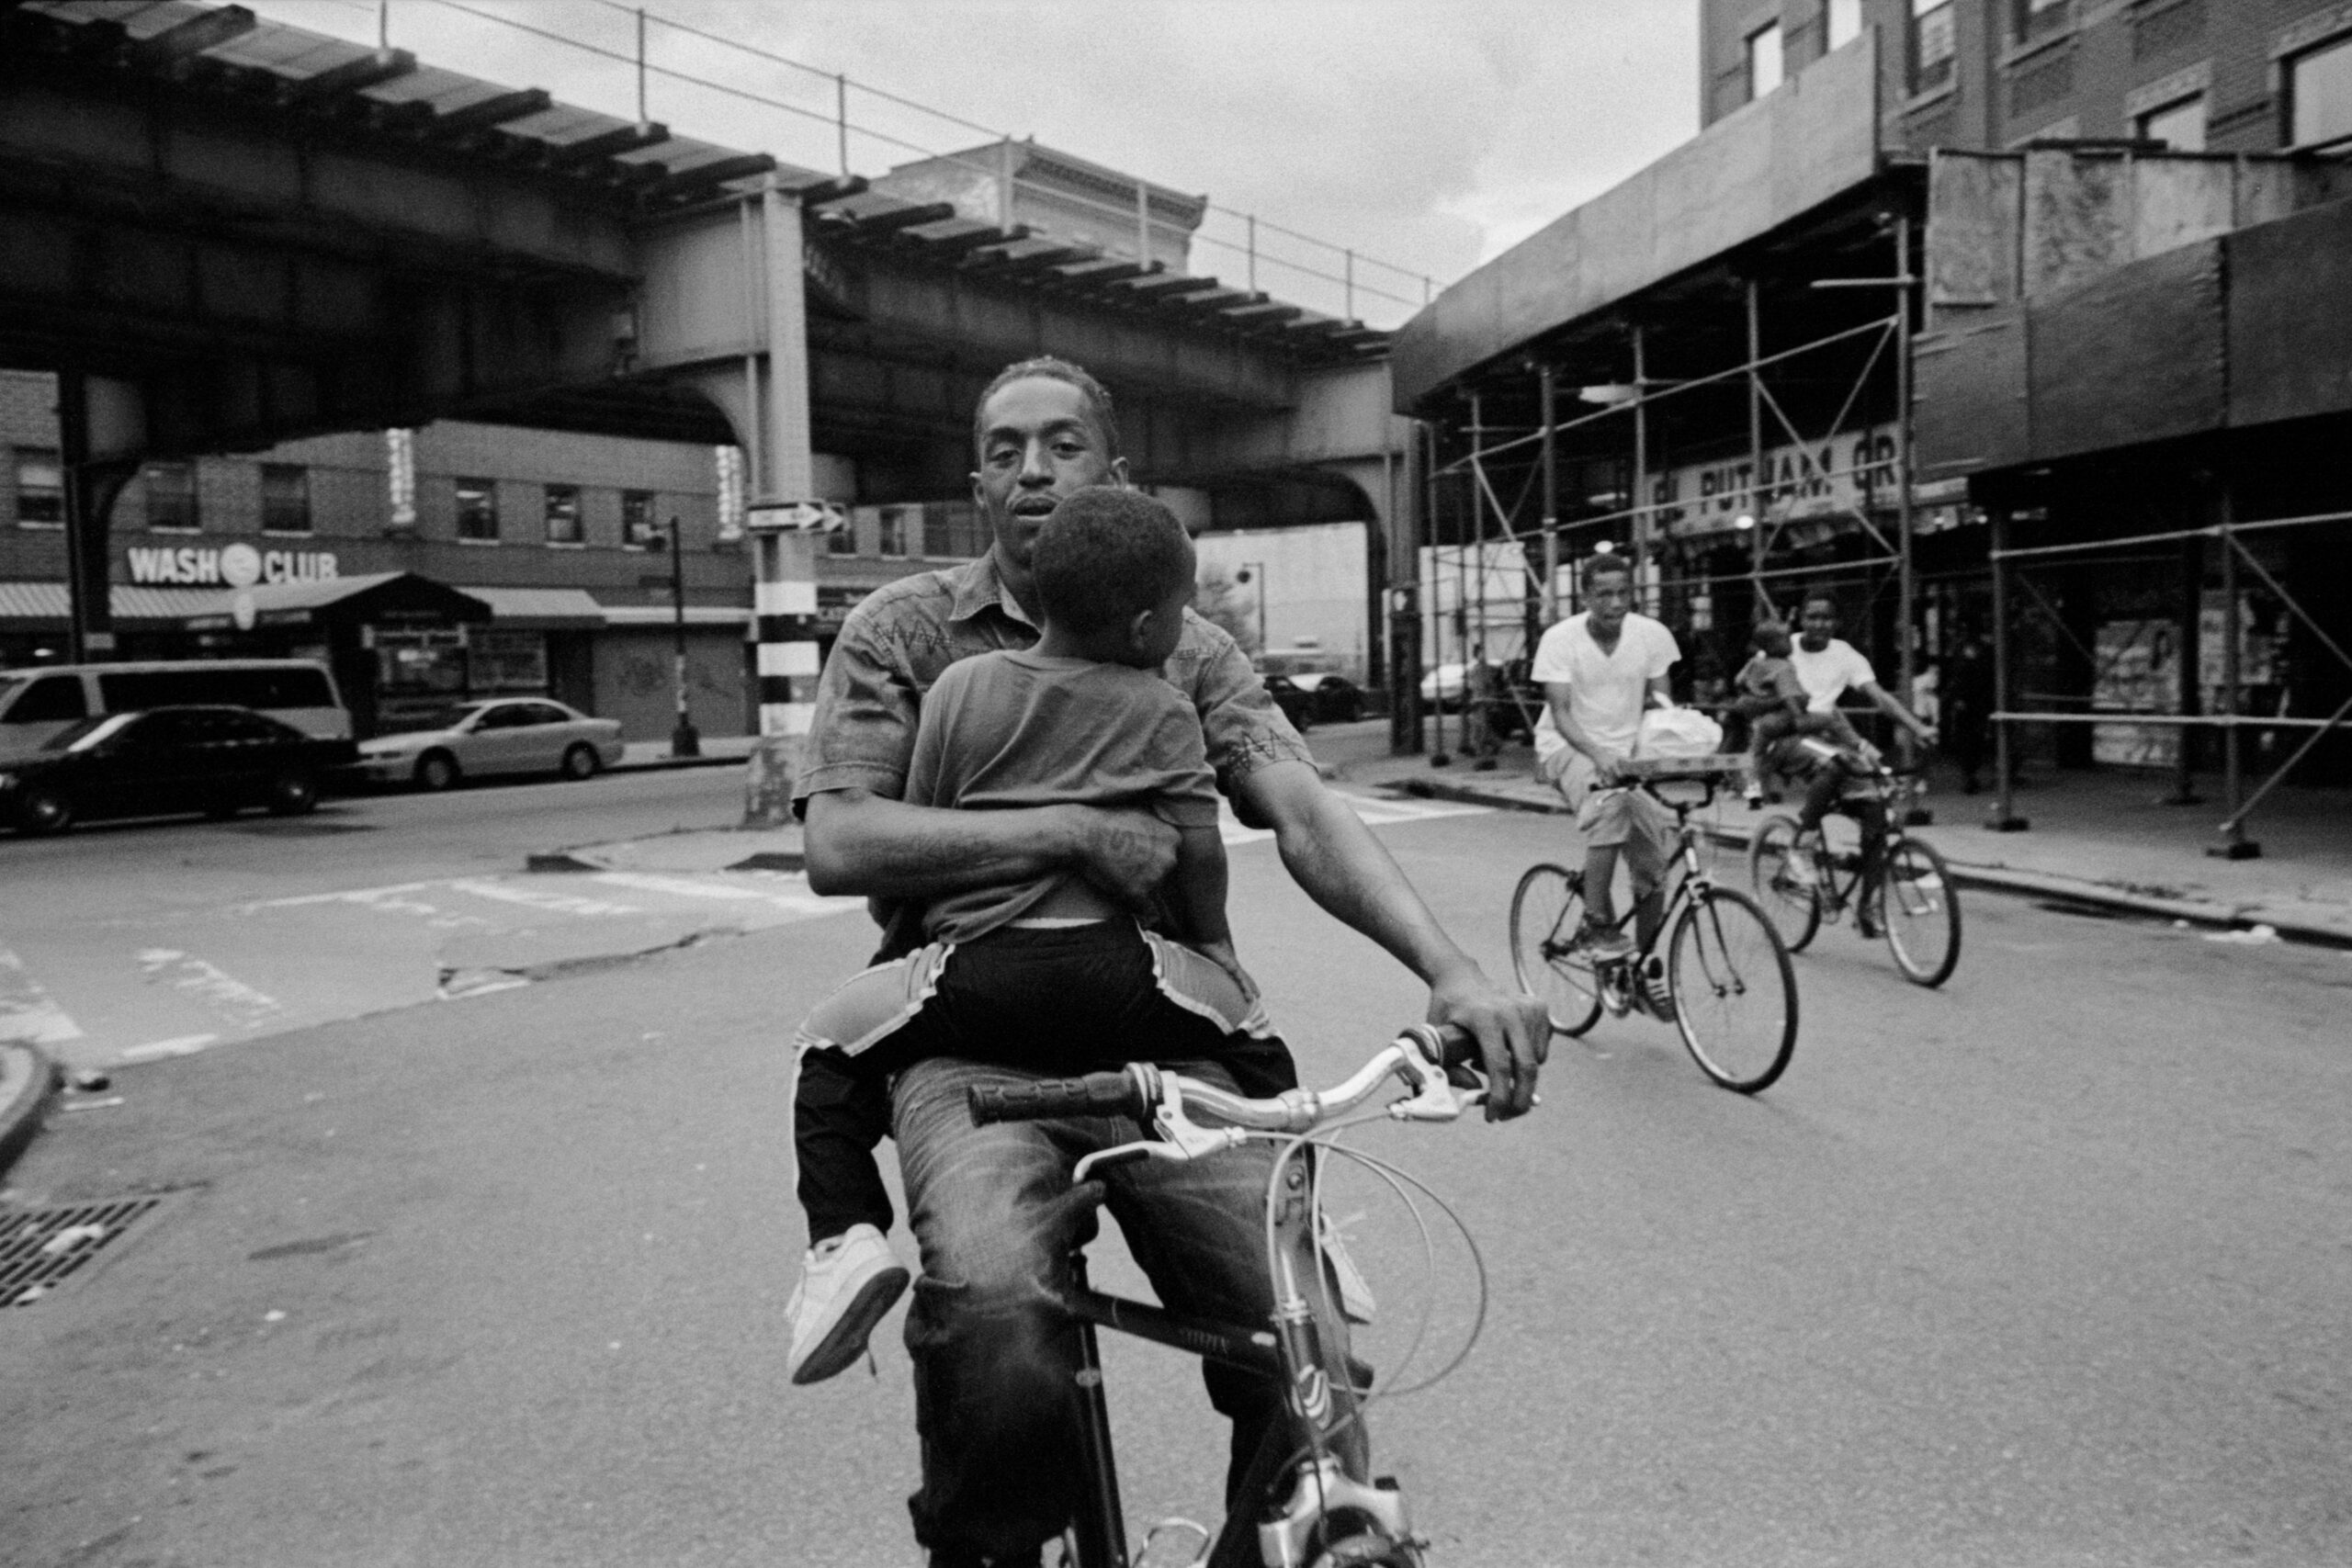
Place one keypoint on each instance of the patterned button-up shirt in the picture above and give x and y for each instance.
(896, 642)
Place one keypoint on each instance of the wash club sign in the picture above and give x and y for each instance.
(231, 566)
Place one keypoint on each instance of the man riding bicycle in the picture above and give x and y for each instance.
(993, 1207)
(1600, 670)
(1828, 666)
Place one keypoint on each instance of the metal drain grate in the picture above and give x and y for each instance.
(41, 1248)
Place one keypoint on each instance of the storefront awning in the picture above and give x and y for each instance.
(46, 606)
(663, 616)
(400, 595)
(540, 609)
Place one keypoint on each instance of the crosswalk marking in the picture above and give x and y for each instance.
(27, 1014)
(1375, 810)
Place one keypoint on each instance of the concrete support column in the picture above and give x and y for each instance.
(785, 522)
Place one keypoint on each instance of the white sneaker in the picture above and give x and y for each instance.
(847, 1283)
(1356, 1303)
(1656, 990)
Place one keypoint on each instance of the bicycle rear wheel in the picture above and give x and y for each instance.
(1920, 911)
(1547, 909)
(1735, 991)
(1790, 901)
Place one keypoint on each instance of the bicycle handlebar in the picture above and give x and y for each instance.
(1425, 1056)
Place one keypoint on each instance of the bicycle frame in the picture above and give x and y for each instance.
(1262, 1528)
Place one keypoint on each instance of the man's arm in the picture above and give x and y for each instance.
(1895, 710)
(1331, 854)
(1605, 761)
(860, 842)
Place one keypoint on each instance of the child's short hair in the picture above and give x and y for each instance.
(1106, 555)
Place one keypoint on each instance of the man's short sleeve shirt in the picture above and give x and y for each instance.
(1606, 691)
(1830, 674)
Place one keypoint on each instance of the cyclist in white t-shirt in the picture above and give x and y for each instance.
(1828, 666)
(1599, 670)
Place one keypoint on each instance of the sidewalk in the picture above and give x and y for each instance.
(2095, 836)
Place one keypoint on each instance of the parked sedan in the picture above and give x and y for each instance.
(217, 761)
(1335, 698)
(1297, 703)
(510, 735)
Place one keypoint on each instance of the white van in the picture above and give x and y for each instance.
(35, 704)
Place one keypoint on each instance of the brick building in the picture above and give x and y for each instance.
(2198, 76)
(2086, 264)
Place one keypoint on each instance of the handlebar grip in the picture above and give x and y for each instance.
(1457, 1046)
(1096, 1094)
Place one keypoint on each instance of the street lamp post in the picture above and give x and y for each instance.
(1255, 570)
(684, 739)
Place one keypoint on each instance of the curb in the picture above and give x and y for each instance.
(27, 1081)
(662, 764)
(1991, 879)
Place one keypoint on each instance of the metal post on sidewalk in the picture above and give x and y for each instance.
(2234, 844)
(684, 740)
(2003, 818)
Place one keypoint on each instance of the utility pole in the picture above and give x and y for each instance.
(684, 741)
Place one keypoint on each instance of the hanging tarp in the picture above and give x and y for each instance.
(2131, 357)
(2290, 317)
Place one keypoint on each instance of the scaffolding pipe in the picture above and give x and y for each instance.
(1640, 474)
(2234, 844)
(1906, 656)
(2004, 819)
(1756, 448)
(1547, 380)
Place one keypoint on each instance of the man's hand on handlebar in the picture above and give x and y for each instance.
(1514, 1032)
(1607, 770)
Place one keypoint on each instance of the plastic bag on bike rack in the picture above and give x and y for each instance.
(1678, 732)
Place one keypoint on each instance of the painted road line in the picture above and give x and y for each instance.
(535, 898)
(243, 1005)
(1376, 811)
(155, 1049)
(29, 1015)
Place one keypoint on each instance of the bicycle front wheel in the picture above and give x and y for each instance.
(1546, 911)
(1789, 900)
(1735, 991)
(1920, 911)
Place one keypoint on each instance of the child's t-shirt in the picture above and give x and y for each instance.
(1015, 728)
(1765, 676)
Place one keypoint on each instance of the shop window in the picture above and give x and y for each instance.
(2319, 95)
(1764, 62)
(563, 515)
(285, 499)
(2179, 125)
(2031, 19)
(951, 530)
(638, 526)
(478, 510)
(171, 498)
(40, 488)
(507, 661)
(1934, 44)
(417, 665)
(891, 534)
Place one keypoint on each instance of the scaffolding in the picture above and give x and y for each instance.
(1785, 496)
(2226, 538)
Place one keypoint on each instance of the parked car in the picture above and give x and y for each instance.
(1297, 703)
(510, 735)
(1442, 687)
(37, 703)
(215, 760)
(1333, 698)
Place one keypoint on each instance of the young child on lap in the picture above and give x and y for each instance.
(1775, 703)
(1049, 975)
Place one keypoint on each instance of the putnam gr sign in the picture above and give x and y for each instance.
(231, 566)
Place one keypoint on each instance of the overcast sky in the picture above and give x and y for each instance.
(1430, 134)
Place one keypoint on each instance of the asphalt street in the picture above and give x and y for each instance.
(2045, 1268)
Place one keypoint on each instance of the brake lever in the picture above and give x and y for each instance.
(1179, 1138)
(1421, 1064)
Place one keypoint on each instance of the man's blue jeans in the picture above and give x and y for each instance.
(994, 1360)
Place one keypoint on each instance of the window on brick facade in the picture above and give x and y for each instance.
(2038, 18)
(842, 541)
(171, 497)
(1763, 61)
(563, 515)
(890, 537)
(40, 488)
(951, 530)
(2319, 95)
(1845, 22)
(2179, 125)
(478, 509)
(285, 499)
(1934, 43)
(637, 519)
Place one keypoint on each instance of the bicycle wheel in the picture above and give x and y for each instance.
(1735, 991)
(1920, 911)
(1789, 900)
(1546, 911)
